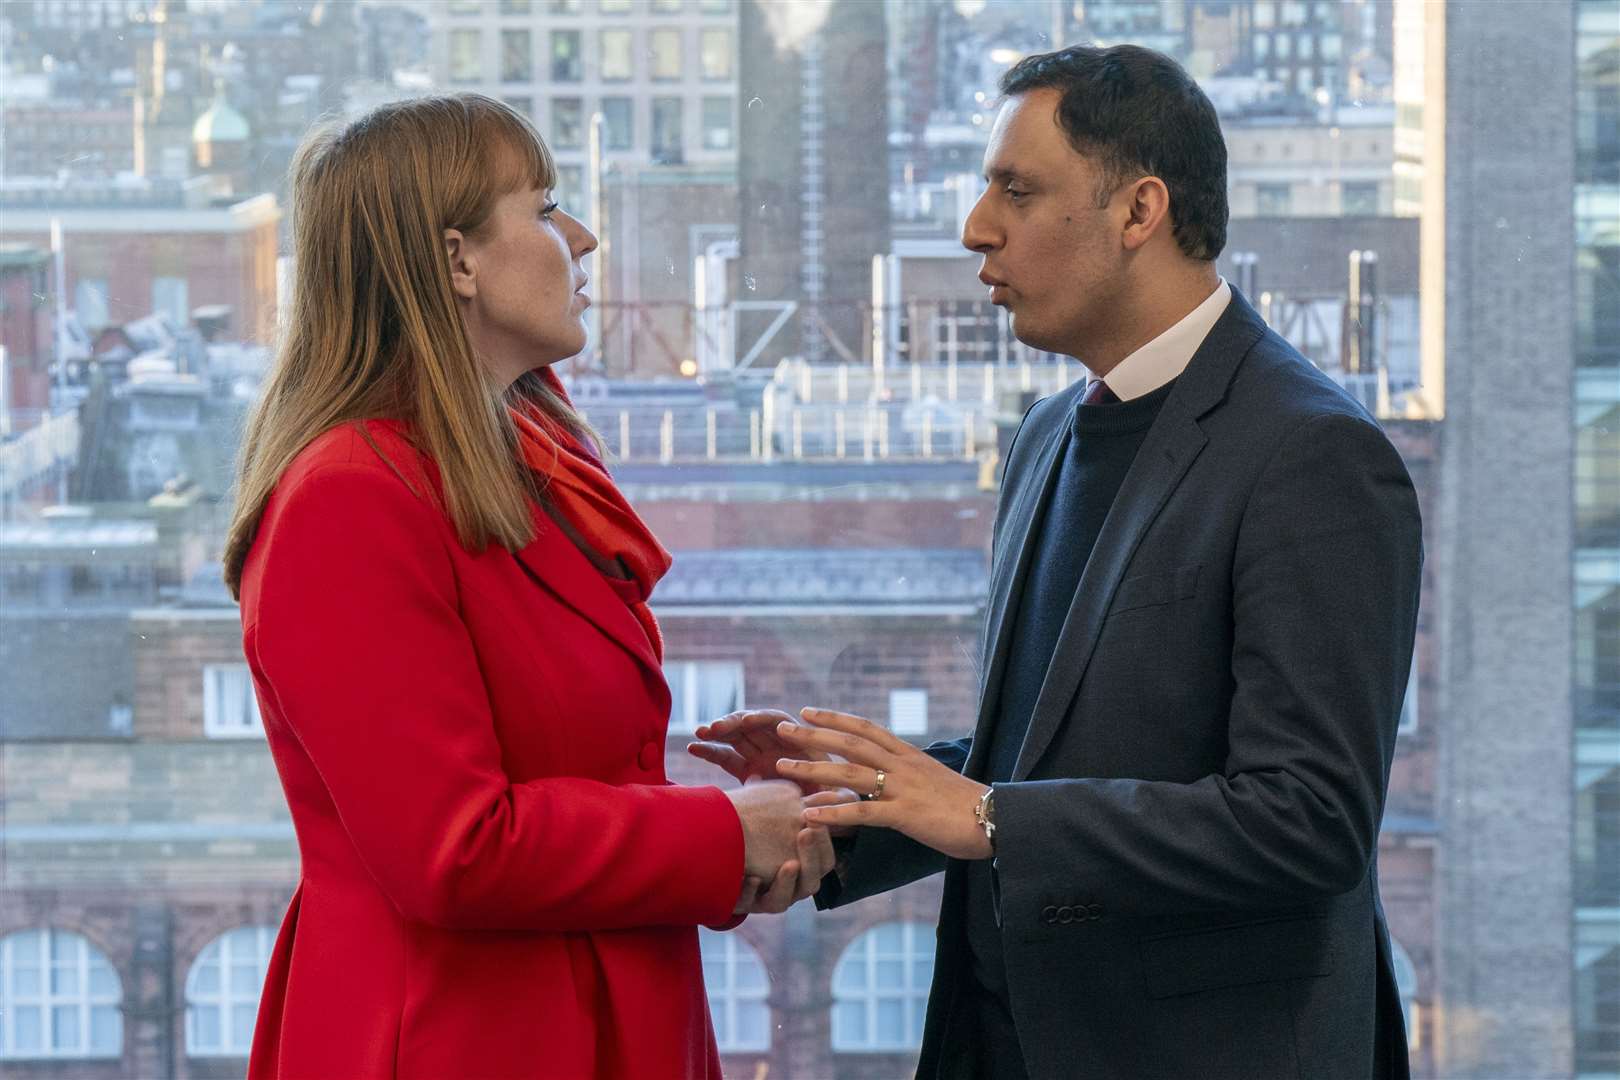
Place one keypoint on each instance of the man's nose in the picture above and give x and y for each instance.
(976, 232)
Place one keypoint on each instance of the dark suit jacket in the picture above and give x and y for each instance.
(1186, 864)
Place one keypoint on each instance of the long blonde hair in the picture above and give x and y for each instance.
(374, 329)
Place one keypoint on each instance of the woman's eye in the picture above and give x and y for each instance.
(549, 209)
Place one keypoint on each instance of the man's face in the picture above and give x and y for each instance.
(1051, 257)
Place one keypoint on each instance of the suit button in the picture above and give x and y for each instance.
(1065, 915)
(1049, 916)
(1093, 911)
(651, 754)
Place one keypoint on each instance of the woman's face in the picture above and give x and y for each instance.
(520, 284)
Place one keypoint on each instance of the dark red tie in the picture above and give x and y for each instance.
(1099, 394)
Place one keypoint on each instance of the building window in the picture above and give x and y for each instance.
(1332, 46)
(567, 123)
(1273, 200)
(59, 998)
(517, 56)
(666, 55)
(1359, 199)
(1307, 47)
(1304, 81)
(522, 103)
(466, 7)
(230, 709)
(618, 56)
(908, 712)
(701, 691)
(465, 47)
(222, 992)
(717, 123)
(880, 989)
(1262, 46)
(570, 185)
(715, 7)
(567, 7)
(738, 988)
(666, 7)
(666, 131)
(615, 7)
(1406, 984)
(1285, 46)
(169, 300)
(515, 7)
(716, 52)
(1409, 704)
(565, 56)
(1265, 13)
(90, 303)
(618, 123)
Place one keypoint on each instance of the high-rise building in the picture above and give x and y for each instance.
(1597, 537)
(662, 73)
(1497, 284)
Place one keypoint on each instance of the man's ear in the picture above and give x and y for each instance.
(1148, 203)
(463, 267)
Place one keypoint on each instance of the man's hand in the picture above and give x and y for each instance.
(747, 746)
(929, 802)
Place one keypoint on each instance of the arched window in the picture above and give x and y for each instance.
(880, 989)
(222, 992)
(59, 997)
(738, 987)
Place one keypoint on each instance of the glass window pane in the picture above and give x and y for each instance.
(465, 47)
(106, 1029)
(514, 7)
(666, 54)
(618, 61)
(65, 1027)
(205, 977)
(565, 56)
(717, 135)
(891, 1021)
(567, 7)
(849, 1024)
(64, 980)
(205, 1025)
(750, 973)
(517, 56)
(666, 7)
(242, 1017)
(715, 7)
(615, 7)
(30, 1028)
(667, 146)
(717, 53)
(25, 981)
(619, 134)
(567, 123)
(890, 974)
(103, 980)
(65, 948)
(753, 1026)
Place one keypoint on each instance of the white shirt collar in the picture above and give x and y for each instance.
(1167, 356)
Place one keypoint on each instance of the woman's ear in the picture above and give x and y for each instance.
(462, 265)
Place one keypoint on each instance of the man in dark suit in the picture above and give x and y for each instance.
(1160, 842)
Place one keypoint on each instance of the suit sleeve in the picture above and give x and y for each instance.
(877, 860)
(360, 649)
(1325, 591)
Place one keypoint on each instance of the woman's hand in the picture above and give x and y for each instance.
(747, 746)
(800, 876)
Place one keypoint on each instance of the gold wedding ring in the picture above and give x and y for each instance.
(877, 793)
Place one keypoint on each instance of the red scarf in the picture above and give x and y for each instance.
(579, 487)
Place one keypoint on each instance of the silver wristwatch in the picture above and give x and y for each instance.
(984, 812)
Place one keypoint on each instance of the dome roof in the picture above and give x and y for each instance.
(220, 123)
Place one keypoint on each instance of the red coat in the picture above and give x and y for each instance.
(497, 878)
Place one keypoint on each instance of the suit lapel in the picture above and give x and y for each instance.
(1166, 454)
(1007, 583)
(553, 562)
(1172, 444)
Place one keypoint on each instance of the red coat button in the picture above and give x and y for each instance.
(651, 753)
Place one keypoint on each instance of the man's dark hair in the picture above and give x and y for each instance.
(1137, 113)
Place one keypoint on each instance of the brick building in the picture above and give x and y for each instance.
(161, 872)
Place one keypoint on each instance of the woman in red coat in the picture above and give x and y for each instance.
(444, 607)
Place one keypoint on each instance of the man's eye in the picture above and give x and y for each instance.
(1014, 194)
